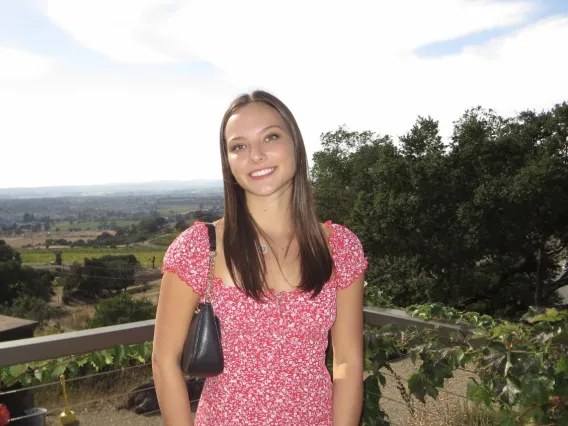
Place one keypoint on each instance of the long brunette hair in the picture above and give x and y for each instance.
(241, 233)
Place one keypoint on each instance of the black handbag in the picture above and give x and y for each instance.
(202, 352)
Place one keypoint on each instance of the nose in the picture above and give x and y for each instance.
(257, 153)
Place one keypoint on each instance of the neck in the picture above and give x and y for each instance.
(273, 214)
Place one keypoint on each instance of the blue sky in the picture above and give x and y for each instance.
(542, 10)
(143, 83)
(24, 26)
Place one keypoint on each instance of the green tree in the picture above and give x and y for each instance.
(121, 309)
(181, 226)
(107, 274)
(477, 224)
(17, 280)
(72, 280)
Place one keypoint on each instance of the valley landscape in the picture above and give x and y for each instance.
(57, 231)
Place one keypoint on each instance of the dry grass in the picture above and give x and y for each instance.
(39, 238)
(111, 386)
(460, 413)
(96, 400)
(76, 319)
(398, 409)
(150, 290)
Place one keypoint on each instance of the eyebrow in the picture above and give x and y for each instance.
(261, 131)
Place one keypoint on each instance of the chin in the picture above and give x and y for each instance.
(267, 190)
(261, 192)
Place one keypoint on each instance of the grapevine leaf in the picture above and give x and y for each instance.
(58, 371)
(478, 393)
(551, 315)
(107, 356)
(97, 360)
(562, 365)
(38, 373)
(536, 390)
(510, 392)
(82, 361)
(17, 370)
(121, 356)
(420, 386)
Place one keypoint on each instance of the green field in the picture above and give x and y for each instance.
(164, 240)
(64, 226)
(70, 255)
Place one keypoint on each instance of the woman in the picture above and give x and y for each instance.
(282, 281)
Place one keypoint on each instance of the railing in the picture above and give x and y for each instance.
(85, 341)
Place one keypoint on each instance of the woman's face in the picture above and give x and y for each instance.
(260, 150)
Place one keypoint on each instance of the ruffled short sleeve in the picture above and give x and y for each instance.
(188, 257)
(348, 256)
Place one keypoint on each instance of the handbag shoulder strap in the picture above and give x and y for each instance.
(212, 254)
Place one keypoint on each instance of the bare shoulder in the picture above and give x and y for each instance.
(176, 304)
(326, 226)
(219, 225)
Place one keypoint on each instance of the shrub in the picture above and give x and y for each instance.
(32, 308)
(121, 309)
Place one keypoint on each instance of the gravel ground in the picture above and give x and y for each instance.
(107, 413)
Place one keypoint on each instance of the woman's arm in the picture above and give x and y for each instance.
(176, 305)
(347, 341)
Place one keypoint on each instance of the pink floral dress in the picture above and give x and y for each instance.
(275, 372)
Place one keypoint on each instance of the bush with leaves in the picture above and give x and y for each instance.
(522, 367)
(42, 372)
(32, 308)
(121, 309)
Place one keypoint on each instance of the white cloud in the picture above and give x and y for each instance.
(122, 30)
(76, 133)
(18, 66)
(332, 62)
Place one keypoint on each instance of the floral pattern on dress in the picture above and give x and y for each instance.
(275, 372)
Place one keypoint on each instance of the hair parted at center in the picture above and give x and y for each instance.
(241, 243)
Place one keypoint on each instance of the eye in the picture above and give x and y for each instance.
(272, 137)
(237, 147)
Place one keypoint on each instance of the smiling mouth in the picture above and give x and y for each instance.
(263, 172)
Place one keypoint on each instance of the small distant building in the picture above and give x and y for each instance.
(12, 328)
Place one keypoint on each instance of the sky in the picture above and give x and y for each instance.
(107, 91)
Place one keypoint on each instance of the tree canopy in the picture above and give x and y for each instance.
(478, 223)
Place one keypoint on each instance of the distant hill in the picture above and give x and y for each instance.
(155, 187)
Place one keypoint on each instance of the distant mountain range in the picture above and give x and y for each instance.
(155, 187)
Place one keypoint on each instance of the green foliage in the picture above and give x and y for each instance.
(98, 276)
(121, 309)
(32, 308)
(376, 297)
(17, 280)
(181, 225)
(35, 373)
(522, 367)
(7, 253)
(478, 224)
(165, 240)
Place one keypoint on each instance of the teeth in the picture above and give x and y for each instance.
(262, 172)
